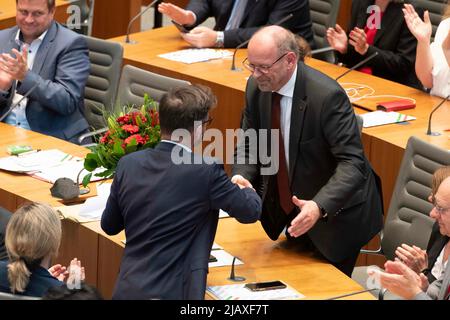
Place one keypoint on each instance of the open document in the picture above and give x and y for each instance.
(196, 55)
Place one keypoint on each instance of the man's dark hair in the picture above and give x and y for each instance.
(50, 4)
(181, 106)
(86, 292)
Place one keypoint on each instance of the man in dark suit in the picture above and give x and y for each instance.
(168, 199)
(41, 55)
(4, 218)
(322, 168)
(237, 21)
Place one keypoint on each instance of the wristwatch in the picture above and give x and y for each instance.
(219, 39)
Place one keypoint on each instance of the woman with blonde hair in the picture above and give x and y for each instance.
(32, 239)
(432, 60)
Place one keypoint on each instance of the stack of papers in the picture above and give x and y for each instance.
(378, 118)
(48, 165)
(196, 55)
(239, 292)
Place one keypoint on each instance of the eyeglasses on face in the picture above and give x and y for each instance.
(262, 69)
(438, 208)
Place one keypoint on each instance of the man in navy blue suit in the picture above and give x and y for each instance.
(170, 210)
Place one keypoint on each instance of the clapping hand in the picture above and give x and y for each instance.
(421, 29)
(337, 38)
(414, 257)
(201, 37)
(177, 14)
(358, 40)
(17, 67)
(241, 182)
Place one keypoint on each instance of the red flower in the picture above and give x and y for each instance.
(124, 119)
(138, 137)
(155, 119)
(130, 128)
(105, 137)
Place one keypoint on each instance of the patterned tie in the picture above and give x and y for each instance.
(236, 14)
(284, 192)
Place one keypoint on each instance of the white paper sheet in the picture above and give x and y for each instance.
(239, 292)
(378, 118)
(196, 55)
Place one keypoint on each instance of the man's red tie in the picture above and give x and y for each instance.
(284, 192)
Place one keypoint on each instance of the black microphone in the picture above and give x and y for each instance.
(233, 64)
(127, 38)
(352, 294)
(356, 66)
(26, 95)
(233, 277)
(321, 50)
(429, 133)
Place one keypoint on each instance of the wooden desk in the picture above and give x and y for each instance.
(384, 145)
(263, 260)
(8, 12)
(16, 189)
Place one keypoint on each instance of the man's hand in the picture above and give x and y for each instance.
(306, 219)
(201, 37)
(358, 40)
(177, 14)
(16, 67)
(414, 257)
(241, 182)
(400, 280)
(337, 39)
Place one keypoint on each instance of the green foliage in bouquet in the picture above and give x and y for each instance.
(129, 131)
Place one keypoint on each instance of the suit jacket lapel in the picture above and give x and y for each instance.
(299, 106)
(11, 42)
(45, 47)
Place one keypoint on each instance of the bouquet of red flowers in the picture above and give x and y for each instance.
(129, 131)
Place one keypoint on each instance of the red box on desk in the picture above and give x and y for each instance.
(396, 105)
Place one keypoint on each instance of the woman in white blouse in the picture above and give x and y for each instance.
(432, 60)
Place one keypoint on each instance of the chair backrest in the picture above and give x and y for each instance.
(135, 83)
(101, 88)
(408, 218)
(436, 9)
(8, 296)
(323, 15)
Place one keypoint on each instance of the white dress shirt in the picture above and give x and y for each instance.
(18, 116)
(287, 93)
(441, 70)
(185, 147)
(439, 265)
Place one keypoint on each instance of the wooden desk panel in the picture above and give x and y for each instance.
(8, 12)
(263, 260)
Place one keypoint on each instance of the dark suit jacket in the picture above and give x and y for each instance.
(395, 44)
(40, 281)
(170, 213)
(435, 246)
(326, 164)
(257, 13)
(61, 68)
(4, 218)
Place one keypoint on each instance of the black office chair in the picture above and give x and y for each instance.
(323, 15)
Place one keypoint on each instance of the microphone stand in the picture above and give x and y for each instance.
(429, 132)
(127, 37)
(233, 277)
(356, 66)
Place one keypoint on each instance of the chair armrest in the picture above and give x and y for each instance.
(90, 134)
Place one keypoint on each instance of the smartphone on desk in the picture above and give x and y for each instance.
(180, 27)
(263, 286)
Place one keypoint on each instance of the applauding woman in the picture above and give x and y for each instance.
(432, 61)
(377, 26)
(33, 235)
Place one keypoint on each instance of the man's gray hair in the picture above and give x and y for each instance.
(287, 42)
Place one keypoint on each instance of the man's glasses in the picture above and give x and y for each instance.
(262, 69)
(438, 208)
